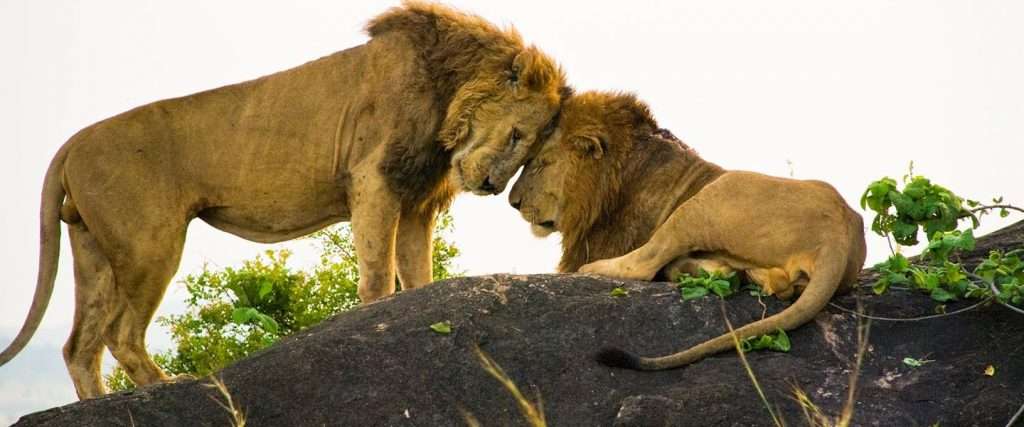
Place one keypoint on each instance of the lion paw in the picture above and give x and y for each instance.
(614, 269)
(180, 378)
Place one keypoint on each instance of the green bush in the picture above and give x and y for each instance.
(923, 205)
(234, 312)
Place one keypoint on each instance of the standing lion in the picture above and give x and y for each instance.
(632, 202)
(381, 134)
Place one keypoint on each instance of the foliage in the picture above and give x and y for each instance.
(915, 362)
(619, 292)
(234, 312)
(1006, 272)
(921, 204)
(443, 327)
(723, 285)
(940, 213)
(777, 342)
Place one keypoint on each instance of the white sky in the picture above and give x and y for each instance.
(844, 91)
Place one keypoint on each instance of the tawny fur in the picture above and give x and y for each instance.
(382, 134)
(633, 202)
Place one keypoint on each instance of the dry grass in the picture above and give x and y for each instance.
(532, 412)
(229, 404)
(813, 414)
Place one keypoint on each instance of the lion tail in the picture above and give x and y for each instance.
(829, 271)
(49, 252)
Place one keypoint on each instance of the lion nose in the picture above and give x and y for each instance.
(487, 186)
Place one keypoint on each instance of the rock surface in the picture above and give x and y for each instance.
(381, 364)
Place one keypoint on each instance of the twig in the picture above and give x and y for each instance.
(990, 207)
(1016, 416)
(764, 307)
(995, 291)
(910, 319)
(889, 241)
(974, 217)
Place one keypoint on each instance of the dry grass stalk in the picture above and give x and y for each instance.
(229, 404)
(532, 412)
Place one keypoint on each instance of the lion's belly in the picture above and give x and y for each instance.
(280, 217)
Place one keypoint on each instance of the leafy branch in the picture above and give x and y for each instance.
(922, 205)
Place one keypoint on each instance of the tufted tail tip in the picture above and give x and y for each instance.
(615, 358)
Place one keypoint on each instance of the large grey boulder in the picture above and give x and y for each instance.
(381, 364)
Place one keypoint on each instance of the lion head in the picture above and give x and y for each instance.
(500, 94)
(575, 178)
(495, 121)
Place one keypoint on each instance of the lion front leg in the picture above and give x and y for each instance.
(375, 213)
(619, 268)
(671, 240)
(414, 249)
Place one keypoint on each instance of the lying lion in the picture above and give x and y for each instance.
(618, 188)
(381, 134)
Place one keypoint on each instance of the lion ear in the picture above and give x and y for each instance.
(566, 92)
(519, 63)
(589, 145)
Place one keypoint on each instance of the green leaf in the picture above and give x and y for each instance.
(693, 292)
(915, 363)
(899, 263)
(942, 295)
(243, 315)
(882, 224)
(267, 323)
(706, 282)
(777, 342)
(966, 241)
(618, 292)
(755, 291)
(905, 233)
(880, 287)
(875, 197)
(721, 288)
(266, 287)
(781, 342)
(443, 328)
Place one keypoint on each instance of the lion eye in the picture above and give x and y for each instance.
(514, 138)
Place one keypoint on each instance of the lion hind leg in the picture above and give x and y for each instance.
(692, 266)
(773, 281)
(141, 277)
(94, 290)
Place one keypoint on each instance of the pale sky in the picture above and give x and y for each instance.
(844, 92)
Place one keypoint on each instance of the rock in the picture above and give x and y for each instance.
(381, 364)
